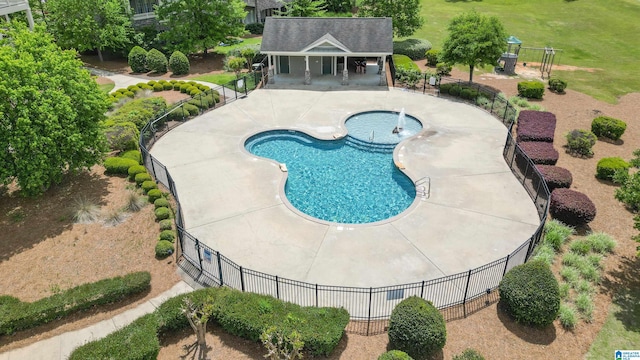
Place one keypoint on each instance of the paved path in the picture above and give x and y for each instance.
(235, 203)
(61, 346)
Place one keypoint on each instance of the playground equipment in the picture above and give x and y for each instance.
(508, 60)
(547, 61)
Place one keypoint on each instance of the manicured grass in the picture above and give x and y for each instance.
(249, 41)
(219, 79)
(404, 62)
(621, 331)
(597, 34)
(106, 87)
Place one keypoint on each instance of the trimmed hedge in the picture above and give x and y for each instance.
(148, 185)
(166, 224)
(571, 207)
(608, 166)
(557, 85)
(541, 153)
(135, 170)
(162, 213)
(179, 63)
(255, 28)
(142, 177)
(415, 49)
(118, 165)
(536, 126)
(138, 59)
(531, 294)
(555, 176)
(417, 328)
(395, 355)
(16, 316)
(167, 235)
(161, 202)
(132, 154)
(580, 142)
(122, 136)
(153, 195)
(531, 89)
(156, 61)
(320, 328)
(163, 249)
(608, 127)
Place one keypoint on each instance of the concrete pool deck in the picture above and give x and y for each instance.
(232, 201)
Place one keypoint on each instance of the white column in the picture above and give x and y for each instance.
(270, 72)
(269, 58)
(306, 63)
(345, 72)
(383, 73)
(307, 73)
(335, 65)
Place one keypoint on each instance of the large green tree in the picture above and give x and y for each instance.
(404, 13)
(474, 40)
(305, 8)
(89, 24)
(197, 25)
(50, 111)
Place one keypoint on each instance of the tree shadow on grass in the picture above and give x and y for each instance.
(28, 221)
(623, 285)
(532, 335)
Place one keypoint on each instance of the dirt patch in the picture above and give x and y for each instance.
(103, 80)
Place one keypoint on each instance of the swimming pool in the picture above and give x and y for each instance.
(347, 180)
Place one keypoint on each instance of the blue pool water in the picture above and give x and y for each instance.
(345, 181)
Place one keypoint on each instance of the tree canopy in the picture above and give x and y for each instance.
(474, 40)
(197, 25)
(89, 24)
(50, 111)
(405, 14)
(305, 8)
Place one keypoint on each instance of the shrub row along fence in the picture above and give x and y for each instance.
(456, 295)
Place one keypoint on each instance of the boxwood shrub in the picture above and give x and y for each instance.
(142, 177)
(139, 111)
(432, 56)
(118, 165)
(163, 249)
(608, 127)
(415, 49)
(132, 154)
(162, 213)
(153, 195)
(417, 328)
(161, 202)
(156, 62)
(138, 59)
(530, 293)
(179, 63)
(149, 185)
(580, 142)
(135, 170)
(167, 235)
(557, 85)
(531, 89)
(536, 126)
(166, 224)
(607, 167)
(158, 87)
(395, 355)
(571, 207)
(16, 316)
(122, 136)
(555, 176)
(541, 153)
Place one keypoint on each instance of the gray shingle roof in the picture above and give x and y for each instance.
(358, 34)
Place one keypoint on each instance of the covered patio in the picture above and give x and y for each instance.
(327, 51)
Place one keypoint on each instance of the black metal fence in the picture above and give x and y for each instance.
(456, 295)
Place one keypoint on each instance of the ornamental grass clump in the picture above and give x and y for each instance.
(417, 328)
(571, 207)
(555, 176)
(536, 126)
(567, 316)
(601, 243)
(530, 294)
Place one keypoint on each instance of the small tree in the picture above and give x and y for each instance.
(198, 315)
(236, 64)
(280, 346)
(474, 40)
(304, 8)
(249, 53)
(405, 14)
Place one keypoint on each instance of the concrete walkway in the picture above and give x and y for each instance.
(235, 203)
(61, 346)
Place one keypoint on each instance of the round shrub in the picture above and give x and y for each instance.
(395, 355)
(203, 87)
(184, 88)
(162, 202)
(176, 86)
(135, 170)
(195, 91)
(133, 89)
(167, 86)
(608, 127)
(130, 94)
(469, 354)
(415, 49)
(191, 109)
(166, 224)
(148, 185)
(432, 56)
(443, 69)
(138, 59)
(122, 136)
(118, 165)
(531, 294)
(153, 195)
(571, 207)
(146, 87)
(580, 142)
(557, 85)
(531, 89)
(132, 154)
(142, 177)
(179, 63)
(163, 249)
(555, 176)
(607, 167)
(167, 235)
(417, 328)
(156, 61)
(162, 213)
(158, 87)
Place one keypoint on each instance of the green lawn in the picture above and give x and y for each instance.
(106, 87)
(219, 79)
(405, 62)
(249, 41)
(598, 34)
